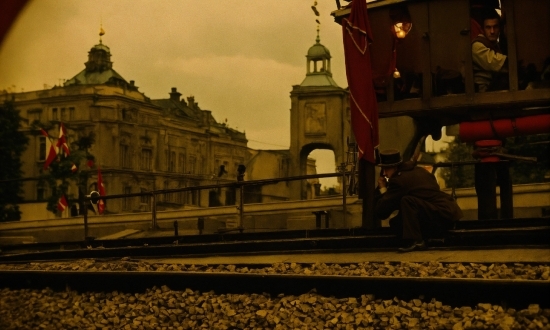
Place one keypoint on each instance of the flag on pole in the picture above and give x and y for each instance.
(101, 190)
(62, 203)
(364, 108)
(62, 142)
(51, 150)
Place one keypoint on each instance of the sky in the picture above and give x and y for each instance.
(239, 59)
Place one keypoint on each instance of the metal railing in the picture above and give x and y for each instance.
(237, 185)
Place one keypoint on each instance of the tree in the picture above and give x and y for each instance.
(530, 146)
(521, 171)
(13, 144)
(461, 176)
(74, 168)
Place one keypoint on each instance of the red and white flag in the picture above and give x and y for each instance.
(62, 203)
(51, 150)
(364, 107)
(101, 188)
(74, 168)
(62, 142)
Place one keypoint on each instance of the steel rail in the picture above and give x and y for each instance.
(452, 291)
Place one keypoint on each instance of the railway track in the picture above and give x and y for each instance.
(456, 291)
(191, 296)
(417, 295)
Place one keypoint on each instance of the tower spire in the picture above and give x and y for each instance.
(318, 39)
(101, 32)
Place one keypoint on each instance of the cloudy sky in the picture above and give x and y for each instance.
(239, 59)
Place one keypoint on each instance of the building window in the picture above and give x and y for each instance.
(71, 113)
(144, 199)
(192, 164)
(193, 195)
(63, 114)
(202, 166)
(180, 196)
(166, 195)
(34, 115)
(124, 156)
(42, 148)
(181, 165)
(167, 159)
(146, 156)
(54, 114)
(40, 193)
(126, 201)
(172, 163)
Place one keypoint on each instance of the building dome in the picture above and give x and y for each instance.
(318, 66)
(318, 50)
(101, 46)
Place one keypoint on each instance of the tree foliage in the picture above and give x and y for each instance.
(459, 176)
(59, 175)
(521, 171)
(12, 145)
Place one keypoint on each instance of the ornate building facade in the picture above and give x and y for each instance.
(140, 144)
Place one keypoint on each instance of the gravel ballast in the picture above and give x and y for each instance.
(162, 308)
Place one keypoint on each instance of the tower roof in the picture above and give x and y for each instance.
(99, 69)
(318, 66)
(318, 50)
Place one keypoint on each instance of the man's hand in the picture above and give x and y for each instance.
(382, 183)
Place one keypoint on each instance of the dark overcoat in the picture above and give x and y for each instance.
(410, 180)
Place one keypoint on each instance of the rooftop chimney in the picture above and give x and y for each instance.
(175, 95)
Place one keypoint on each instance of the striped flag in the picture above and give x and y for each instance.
(51, 150)
(62, 203)
(62, 142)
(101, 188)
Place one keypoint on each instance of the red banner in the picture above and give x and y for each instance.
(364, 108)
(62, 203)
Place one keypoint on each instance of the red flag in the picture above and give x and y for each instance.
(62, 203)
(101, 188)
(364, 108)
(62, 142)
(51, 150)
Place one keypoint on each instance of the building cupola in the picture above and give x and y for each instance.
(318, 65)
(99, 69)
(99, 57)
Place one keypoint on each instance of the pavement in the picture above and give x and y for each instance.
(502, 255)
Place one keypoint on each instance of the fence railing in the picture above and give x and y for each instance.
(237, 185)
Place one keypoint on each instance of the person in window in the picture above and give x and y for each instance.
(423, 207)
(489, 63)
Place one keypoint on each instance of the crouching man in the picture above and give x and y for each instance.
(414, 191)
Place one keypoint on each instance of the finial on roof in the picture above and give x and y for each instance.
(101, 32)
(314, 7)
(318, 39)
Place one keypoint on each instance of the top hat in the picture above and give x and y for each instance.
(390, 157)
